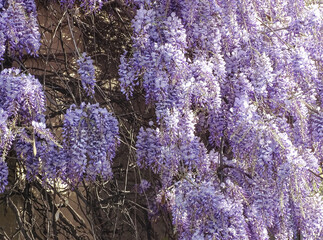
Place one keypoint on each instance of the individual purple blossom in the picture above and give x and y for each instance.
(256, 226)
(29, 154)
(2, 41)
(75, 152)
(3, 127)
(2, 3)
(104, 141)
(143, 186)
(43, 132)
(317, 128)
(87, 73)
(93, 5)
(7, 135)
(159, 56)
(261, 74)
(3, 30)
(30, 6)
(175, 151)
(300, 123)
(42, 158)
(3, 176)
(217, 124)
(302, 64)
(128, 70)
(88, 5)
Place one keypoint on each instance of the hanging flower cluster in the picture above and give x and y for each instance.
(87, 73)
(90, 140)
(21, 95)
(19, 27)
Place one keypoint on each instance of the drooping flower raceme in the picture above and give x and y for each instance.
(90, 139)
(203, 211)
(19, 27)
(87, 73)
(3, 175)
(21, 95)
(4, 131)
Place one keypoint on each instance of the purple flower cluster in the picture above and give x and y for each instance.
(317, 130)
(203, 210)
(3, 175)
(2, 40)
(4, 131)
(149, 149)
(42, 158)
(90, 140)
(87, 73)
(29, 153)
(173, 151)
(19, 27)
(159, 57)
(21, 95)
(22, 120)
